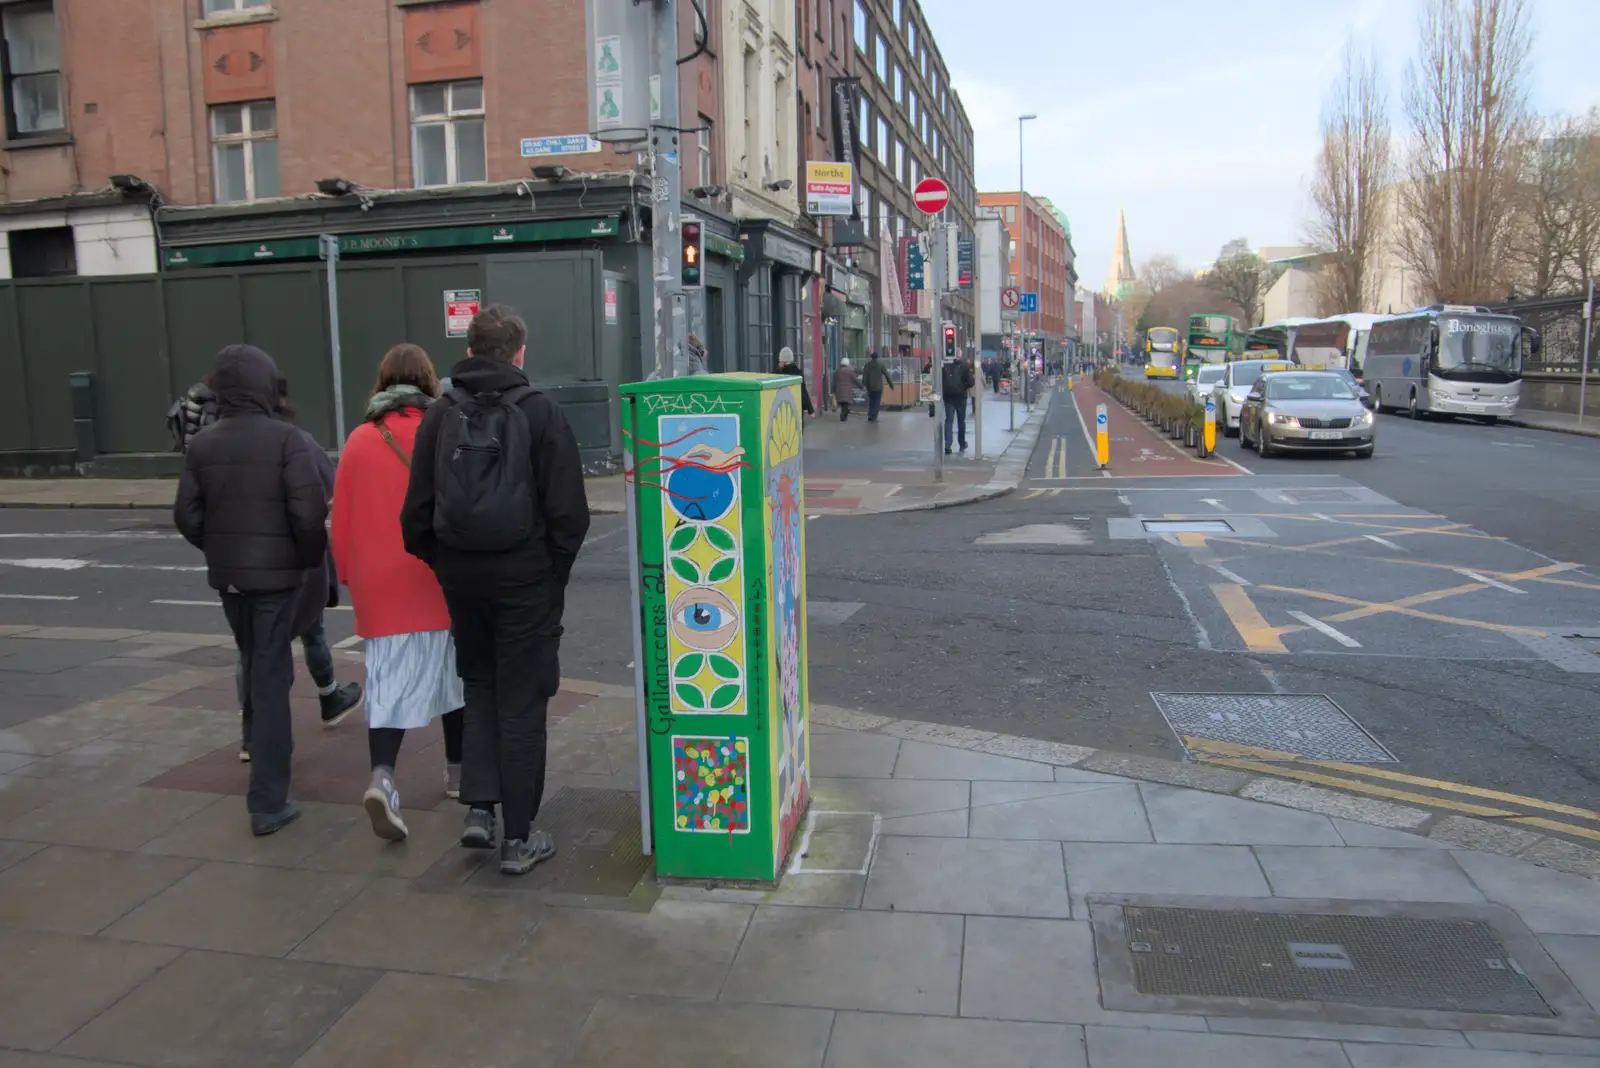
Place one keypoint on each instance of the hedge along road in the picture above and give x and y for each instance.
(1137, 450)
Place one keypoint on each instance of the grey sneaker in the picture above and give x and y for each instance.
(479, 830)
(518, 856)
(452, 780)
(382, 802)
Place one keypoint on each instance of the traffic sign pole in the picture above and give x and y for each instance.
(1102, 438)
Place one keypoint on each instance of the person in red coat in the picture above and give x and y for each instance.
(400, 610)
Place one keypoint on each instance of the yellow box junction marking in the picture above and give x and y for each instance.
(1259, 635)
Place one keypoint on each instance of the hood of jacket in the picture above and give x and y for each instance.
(245, 381)
(479, 374)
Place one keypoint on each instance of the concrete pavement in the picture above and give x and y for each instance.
(989, 900)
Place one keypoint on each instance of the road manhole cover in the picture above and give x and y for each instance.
(1391, 962)
(1272, 726)
(1187, 526)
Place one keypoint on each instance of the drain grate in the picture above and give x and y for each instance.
(1187, 526)
(1318, 496)
(1298, 725)
(1392, 962)
(599, 849)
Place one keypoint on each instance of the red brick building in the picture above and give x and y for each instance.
(1048, 260)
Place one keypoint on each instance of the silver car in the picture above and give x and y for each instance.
(1306, 411)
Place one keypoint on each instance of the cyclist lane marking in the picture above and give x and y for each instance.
(1136, 449)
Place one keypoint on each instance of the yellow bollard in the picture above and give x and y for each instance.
(1069, 383)
(1102, 437)
(1211, 425)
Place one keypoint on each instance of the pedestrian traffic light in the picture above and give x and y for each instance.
(949, 342)
(694, 252)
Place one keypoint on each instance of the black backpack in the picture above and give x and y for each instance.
(483, 472)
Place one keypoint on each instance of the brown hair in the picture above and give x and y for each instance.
(497, 333)
(407, 365)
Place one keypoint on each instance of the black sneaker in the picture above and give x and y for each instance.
(518, 856)
(265, 823)
(340, 703)
(479, 830)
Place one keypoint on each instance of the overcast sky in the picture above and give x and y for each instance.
(1197, 116)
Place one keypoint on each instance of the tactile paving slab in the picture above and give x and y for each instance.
(1392, 962)
(1304, 725)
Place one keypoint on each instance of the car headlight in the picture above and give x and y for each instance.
(1439, 396)
(1364, 419)
(1279, 419)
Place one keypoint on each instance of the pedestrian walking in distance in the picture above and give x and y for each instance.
(844, 387)
(399, 607)
(874, 377)
(957, 381)
(787, 366)
(251, 499)
(496, 506)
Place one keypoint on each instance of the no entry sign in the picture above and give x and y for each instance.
(931, 195)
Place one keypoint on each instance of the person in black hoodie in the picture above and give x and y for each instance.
(252, 500)
(505, 603)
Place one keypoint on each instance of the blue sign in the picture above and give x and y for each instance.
(1211, 405)
(915, 272)
(1405, 367)
(1100, 418)
(1030, 303)
(964, 259)
(569, 145)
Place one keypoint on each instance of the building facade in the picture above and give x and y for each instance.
(994, 259)
(1049, 265)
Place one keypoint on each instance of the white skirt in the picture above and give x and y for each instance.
(411, 679)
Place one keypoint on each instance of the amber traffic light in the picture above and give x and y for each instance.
(694, 253)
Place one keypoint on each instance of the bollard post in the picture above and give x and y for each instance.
(718, 497)
(1102, 436)
(1209, 442)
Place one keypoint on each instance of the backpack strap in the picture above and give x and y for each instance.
(388, 439)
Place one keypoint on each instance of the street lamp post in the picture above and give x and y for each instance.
(1022, 265)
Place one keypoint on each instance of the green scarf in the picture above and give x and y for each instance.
(394, 399)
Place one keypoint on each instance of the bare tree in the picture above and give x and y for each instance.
(1353, 172)
(1160, 272)
(1556, 226)
(1466, 104)
(1242, 278)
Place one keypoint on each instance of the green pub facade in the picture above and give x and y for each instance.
(717, 492)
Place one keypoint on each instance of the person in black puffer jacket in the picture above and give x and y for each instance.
(252, 500)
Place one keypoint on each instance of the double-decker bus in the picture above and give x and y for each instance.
(1274, 337)
(1448, 359)
(1337, 343)
(1211, 340)
(1163, 348)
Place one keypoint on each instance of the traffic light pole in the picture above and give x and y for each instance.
(937, 281)
(666, 197)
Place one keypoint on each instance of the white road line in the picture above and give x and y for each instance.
(1318, 625)
(1229, 575)
(1213, 502)
(1324, 518)
(349, 643)
(34, 597)
(192, 604)
(1087, 437)
(117, 535)
(44, 563)
(1386, 543)
(1486, 580)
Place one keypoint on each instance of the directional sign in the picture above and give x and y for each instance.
(1010, 298)
(1100, 416)
(932, 195)
(1030, 302)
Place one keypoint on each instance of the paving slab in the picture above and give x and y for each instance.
(924, 760)
(1058, 811)
(355, 849)
(674, 1034)
(1188, 816)
(1104, 868)
(81, 891)
(1336, 1032)
(847, 959)
(871, 1040)
(239, 908)
(1365, 834)
(1363, 1056)
(436, 1020)
(908, 806)
(210, 1009)
(53, 984)
(968, 875)
(854, 756)
(1043, 971)
(110, 819)
(1579, 957)
(679, 948)
(1366, 874)
(1549, 902)
(1122, 1047)
(13, 852)
(395, 926)
(222, 832)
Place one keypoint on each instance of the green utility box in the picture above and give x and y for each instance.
(717, 494)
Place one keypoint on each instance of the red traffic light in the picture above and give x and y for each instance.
(949, 333)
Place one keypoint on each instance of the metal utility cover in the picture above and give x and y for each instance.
(1187, 526)
(1473, 967)
(1319, 496)
(1305, 726)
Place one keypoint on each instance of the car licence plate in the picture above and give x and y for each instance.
(1326, 435)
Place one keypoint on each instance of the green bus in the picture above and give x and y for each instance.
(1213, 339)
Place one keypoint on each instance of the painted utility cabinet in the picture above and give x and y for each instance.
(718, 494)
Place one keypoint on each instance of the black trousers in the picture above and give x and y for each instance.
(263, 628)
(508, 654)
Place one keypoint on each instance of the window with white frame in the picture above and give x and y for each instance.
(447, 146)
(223, 7)
(703, 137)
(31, 64)
(244, 151)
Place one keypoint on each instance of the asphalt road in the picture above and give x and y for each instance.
(967, 616)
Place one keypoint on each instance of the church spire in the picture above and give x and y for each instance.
(1121, 277)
